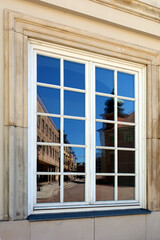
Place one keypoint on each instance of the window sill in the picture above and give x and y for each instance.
(93, 214)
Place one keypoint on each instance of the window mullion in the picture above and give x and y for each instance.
(87, 134)
(92, 135)
(62, 131)
(116, 138)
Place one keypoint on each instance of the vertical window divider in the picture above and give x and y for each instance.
(61, 130)
(116, 137)
(87, 133)
(92, 135)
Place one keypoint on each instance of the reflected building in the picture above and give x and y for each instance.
(125, 138)
(48, 157)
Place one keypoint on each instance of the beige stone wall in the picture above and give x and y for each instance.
(107, 23)
(113, 228)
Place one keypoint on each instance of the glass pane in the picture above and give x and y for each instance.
(48, 100)
(48, 158)
(48, 70)
(104, 108)
(74, 188)
(126, 188)
(126, 162)
(125, 84)
(74, 103)
(126, 110)
(104, 161)
(74, 131)
(104, 188)
(48, 129)
(104, 134)
(126, 136)
(74, 159)
(74, 75)
(48, 188)
(104, 80)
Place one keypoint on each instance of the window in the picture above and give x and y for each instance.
(94, 109)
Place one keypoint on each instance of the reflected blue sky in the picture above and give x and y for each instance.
(104, 80)
(74, 103)
(74, 75)
(48, 70)
(50, 98)
(125, 85)
(75, 131)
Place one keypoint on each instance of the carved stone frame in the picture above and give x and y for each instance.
(19, 28)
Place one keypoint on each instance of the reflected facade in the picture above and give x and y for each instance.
(115, 134)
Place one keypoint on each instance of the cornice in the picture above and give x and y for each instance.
(141, 8)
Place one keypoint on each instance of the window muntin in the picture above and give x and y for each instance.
(91, 182)
(112, 132)
(62, 107)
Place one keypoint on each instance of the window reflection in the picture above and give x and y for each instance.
(104, 108)
(74, 103)
(74, 131)
(74, 159)
(104, 80)
(126, 188)
(48, 70)
(74, 75)
(74, 188)
(104, 161)
(48, 158)
(126, 161)
(48, 188)
(126, 136)
(104, 188)
(49, 98)
(125, 110)
(104, 134)
(125, 85)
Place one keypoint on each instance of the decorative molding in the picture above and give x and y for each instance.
(19, 30)
(134, 7)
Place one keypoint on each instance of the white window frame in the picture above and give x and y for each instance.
(90, 59)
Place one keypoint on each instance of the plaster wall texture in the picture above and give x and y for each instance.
(131, 29)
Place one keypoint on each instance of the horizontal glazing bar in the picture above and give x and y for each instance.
(126, 98)
(59, 144)
(48, 85)
(105, 94)
(106, 121)
(126, 149)
(48, 114)
(74, 89)
(48, 173)
(48, 144)
(58, 116)
(104, 147)
(114, 148)
(74, 145)
(127, 123)
(72, 117)
(116, 174)
(61, 173)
